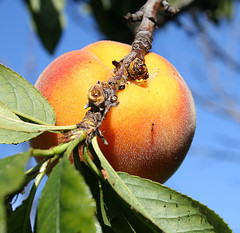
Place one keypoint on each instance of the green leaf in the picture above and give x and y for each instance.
(133, 204)
(48, 20)
(110, 208)
(11, 178)
(65, 204)
(116, 212)
(173, 211)
(19, 220)
(224, 9)
(13, 130)
(168, 209)
(22, 98)
(21, 103)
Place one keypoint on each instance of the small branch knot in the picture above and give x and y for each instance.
(143, 41)
(166, 6)
(138, 69)
(96, 95)
(135, 17)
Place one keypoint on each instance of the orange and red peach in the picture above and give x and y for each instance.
(151, 130)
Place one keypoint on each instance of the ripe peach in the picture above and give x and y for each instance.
(151, 130)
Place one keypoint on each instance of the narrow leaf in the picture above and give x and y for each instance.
(110, 208)
(95, 186)
(48, 20)
(65, 204)
(123, 191)
(173, 211)
(11, 177)
(20, 96)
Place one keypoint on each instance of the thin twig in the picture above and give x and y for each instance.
(103, 95)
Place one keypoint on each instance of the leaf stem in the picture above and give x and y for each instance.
(90, 163)
(34, 171)
(37, 128)
(31, 118)
(73, 144)
(57, 150)
(60, 127)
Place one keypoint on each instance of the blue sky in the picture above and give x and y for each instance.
(210, 172)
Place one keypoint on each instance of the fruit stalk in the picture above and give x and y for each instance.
(103, 95)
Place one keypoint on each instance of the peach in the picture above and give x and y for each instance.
(149, 133)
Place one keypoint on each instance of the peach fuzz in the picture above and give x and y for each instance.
(149, 133)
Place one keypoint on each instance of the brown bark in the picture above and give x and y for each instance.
(103, 95)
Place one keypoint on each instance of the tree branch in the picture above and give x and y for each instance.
(103, 95)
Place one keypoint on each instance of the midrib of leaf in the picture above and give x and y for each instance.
(30, 127)
(31, 118)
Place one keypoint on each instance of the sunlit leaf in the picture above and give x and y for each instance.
(20, 96)
(11, 177)
(65, 204)
(173, 211)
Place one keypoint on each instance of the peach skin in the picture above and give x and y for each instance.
(149, 133)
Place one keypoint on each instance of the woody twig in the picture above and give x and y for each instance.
(103, 95)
